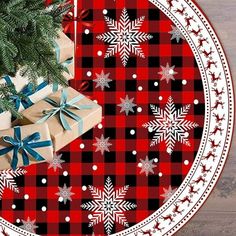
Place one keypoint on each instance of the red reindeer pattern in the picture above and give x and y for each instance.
(188, 20)
(211, 63)
(157, 226)
(168, 217)
(209, 155)
(177, 210)
(214, 144)
(201, 41)
(147, 232)
(218, 103)
(214, 78)
(181, 11)
(199, 180)
(219, 118)
(196, 32)
(205, 170)
(206, 53)
(217, 130)
(170, 3)
(192, 190)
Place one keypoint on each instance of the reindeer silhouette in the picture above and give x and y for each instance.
(181, 11)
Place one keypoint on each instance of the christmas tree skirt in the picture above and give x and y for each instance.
(157, 69)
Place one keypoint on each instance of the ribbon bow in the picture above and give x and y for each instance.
(22, 97)
(25, 146)
(63, 109)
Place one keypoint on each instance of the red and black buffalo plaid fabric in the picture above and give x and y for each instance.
(120, 164)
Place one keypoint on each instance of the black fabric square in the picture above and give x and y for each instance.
(153, 204)
(131, 85)
(176, 85)
(132, 62)
(41, 203)
(87, 39)
(176, 180)
(130, 157)
(153, 180)
(176, 157)
(87, 62)
(198, 133)
(199, 109)
(87, 180)
(42, 229)
(155, 40)
(64, 228)
(154, 62)
(153, 14)
(110, 62)
(198, 85)
(153, 85)
(39, 180)
(87, 157)
(88, 135)
(177, 61)
(132, 14)
(20, 204)
(130, 133)
(110, 132)
(110, 109)
(110, 157)
(130, 180)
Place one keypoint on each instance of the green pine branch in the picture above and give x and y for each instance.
(28, 31)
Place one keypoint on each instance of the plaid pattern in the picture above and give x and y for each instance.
(120, 163)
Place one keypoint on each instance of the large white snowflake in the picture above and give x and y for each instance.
(7, 180)
(108, 206)
(124, 37)
(170, 125)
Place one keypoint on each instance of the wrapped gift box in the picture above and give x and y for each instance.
(77, 117)
(5, 120)
(64, 48)
(32, 142)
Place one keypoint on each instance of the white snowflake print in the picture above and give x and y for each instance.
(102, 144)
(124, 37)
(176, 34)
(29, 225)
(56, 162)
(127, 105)
(65, 194)
(170, 125)
(108, 206)
(168, 193)
(167, 73)
(7, 180)
(102, 80)
(147, 166)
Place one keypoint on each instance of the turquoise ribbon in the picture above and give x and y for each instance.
(25, 146)
(22, 97)
(62, 109)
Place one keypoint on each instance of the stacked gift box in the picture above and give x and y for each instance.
(52, 116)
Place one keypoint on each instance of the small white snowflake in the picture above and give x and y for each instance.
(170, 125)
(102, 80)
(168, 193)
(102, 144)
(29, 225)
(56, 162)
(108, 206)
(176, 34)
(124, 37)
(167, 73)
(65, 193)
(127, 105)
(147, 166)
(7, 180)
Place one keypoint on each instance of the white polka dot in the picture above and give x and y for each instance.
(13, 206)
(44, 208)
(82, 146)
(90, 216)
(160, 98)
(100, 126)
(67, 219)
(95, 167)
(87, 31)
(132, 132)
(84, 188)
(99, 53)
(104, 11)
(171, 71)
(186, 162)
(140, 88)
(44, 181)
(139, 109)
(95, 101)
(156, 84)
(196, 102)
(134, 152)
(134, 76)
(65, 173)
(26, 197)
(160, 174)
(169, 150)
(60, 199)
(184, 82)
(150, 129)
(156, 160)
(186, 134)
(89, 73)
(140, 164)
(17, 221)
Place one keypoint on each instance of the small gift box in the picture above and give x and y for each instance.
(64, 48)
(68, 114)
(5, 120)
(25, 145)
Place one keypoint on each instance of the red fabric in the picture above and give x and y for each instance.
(119, 163)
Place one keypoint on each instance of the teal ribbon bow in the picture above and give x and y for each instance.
(63, 110)
(22, 97)
(25, 146)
